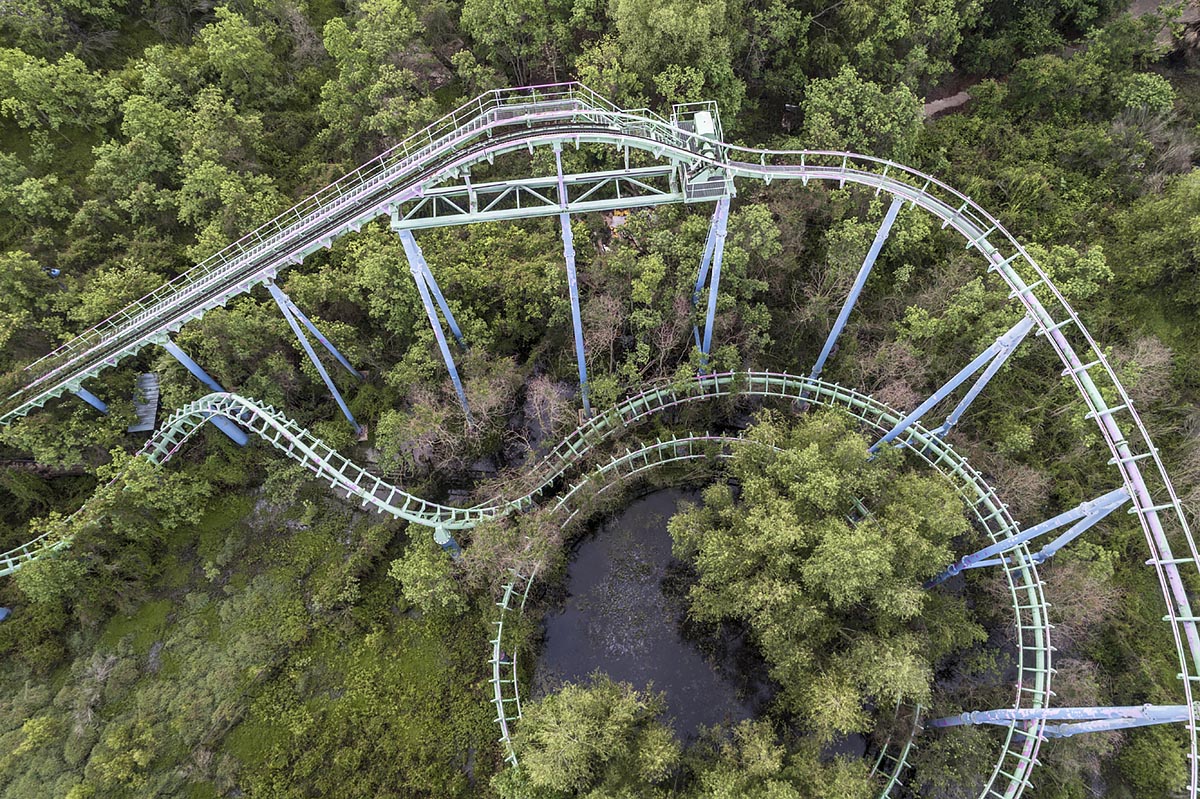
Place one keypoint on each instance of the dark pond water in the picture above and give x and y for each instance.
(618, 619)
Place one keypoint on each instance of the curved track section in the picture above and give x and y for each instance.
(1031, 625)
(511, 120)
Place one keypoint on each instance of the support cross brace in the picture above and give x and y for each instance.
(285, 307)
(1085, 515)
(993, 357)
(861, 280)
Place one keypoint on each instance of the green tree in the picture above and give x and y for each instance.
(238, 51)
(1147, 90)
(1158, 242)
(373, 93)
(683, 49)
(526, 37)
(426, 576)
(847, 112)
(910, 42)
(37, 93)
(602, 737)
(832, 596)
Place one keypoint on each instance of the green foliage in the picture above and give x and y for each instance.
(684, 50)
(846, 112)
(1152, 251)
(1013, 29)
(953, 763)
(831, 602)
(238, 51)
(373, 94)
(1147, 90)
(426, 577)
(39, 94)
(601, 737)
(908, 42)
(1154, 761)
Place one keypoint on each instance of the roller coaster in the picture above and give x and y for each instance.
(425, 182)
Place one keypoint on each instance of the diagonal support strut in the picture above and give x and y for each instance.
(92, 399)
(1085, 516)
(424, 280)
(235, 433)
(993, 357)
(714, 253)
(319, 336)
(568, 238)
(861, 280)
(1080, 719)
(285, 307)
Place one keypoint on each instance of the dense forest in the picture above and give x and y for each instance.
(225, 626)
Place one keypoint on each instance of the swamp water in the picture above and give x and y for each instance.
(618, 619)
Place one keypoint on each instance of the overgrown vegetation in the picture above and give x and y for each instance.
(222, 627)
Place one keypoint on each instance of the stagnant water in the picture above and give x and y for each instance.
(618, 619)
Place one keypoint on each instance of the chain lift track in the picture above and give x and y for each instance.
(425, 182)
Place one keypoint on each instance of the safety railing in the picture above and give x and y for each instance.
(570, 111)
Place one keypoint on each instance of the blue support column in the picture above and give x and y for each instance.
(193, 367)
(446, 541)
(717, 234)
(319, 336)
(92, 399)
(710, 244)
(284, 304)
(999, 351)
(568, 238)
(1082, 719)
(422, 277)
(1085, 515)
(235, 433)
(441, 301)
(861, 280)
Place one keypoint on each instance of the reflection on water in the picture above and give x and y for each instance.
(617, 619)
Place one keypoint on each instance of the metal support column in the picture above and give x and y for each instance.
(1083, 719)
(319, 336)
(446, 541)
(714, 252)
(92, 399)
(424, 280)
(1085, 515)
(568, 238)
(235, 433)
(864, 271)
(996, 353)
(284, 304)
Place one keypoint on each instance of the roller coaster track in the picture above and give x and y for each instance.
(354, 482)
(506, 121)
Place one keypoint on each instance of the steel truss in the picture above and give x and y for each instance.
(529, 198)
(514, 120)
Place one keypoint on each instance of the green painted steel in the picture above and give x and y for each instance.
(351, 481)
(701, 168)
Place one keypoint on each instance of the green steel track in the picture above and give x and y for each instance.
(357, 484)
(400, 184)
